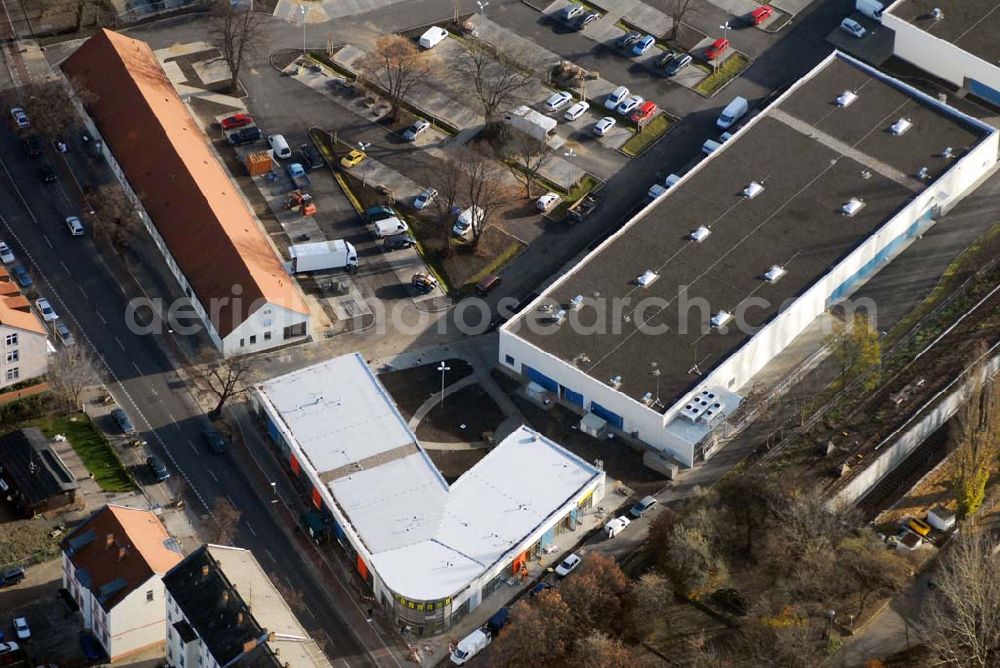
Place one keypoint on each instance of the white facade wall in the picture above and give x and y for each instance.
(264, 329)
(25, 356)
(136, 622)
(937, 56)
(740, 367)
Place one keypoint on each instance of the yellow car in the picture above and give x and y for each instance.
(355, 157)
(919, 527)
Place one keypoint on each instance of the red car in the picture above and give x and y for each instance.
(718, 47)
(761, 14)
(644, 112)
(236, 121)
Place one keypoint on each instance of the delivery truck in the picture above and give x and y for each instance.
(323, 255)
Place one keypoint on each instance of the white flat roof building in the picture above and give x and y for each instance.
(430, 551)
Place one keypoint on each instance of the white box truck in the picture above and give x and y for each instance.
(323, 255)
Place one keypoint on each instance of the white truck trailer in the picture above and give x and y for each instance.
(323, 255)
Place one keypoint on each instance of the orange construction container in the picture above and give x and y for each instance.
(258, 163)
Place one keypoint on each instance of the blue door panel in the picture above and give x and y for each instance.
(541, 379)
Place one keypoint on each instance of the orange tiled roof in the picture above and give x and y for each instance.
(15, 311)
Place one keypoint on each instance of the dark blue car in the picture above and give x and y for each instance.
(22, 277)
(91, 648)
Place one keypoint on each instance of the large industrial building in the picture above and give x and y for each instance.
(656, 332)
(430, 552)
(209, 237)
(955, 40)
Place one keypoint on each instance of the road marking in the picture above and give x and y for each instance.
(135, 365)
(233, 503)
(82, 292)
(310, 613)
(101, 317)
(65, 267)
(270, 556)
(196, 451)
(174, 421)
(119, 342)
(212, 473)
(250, 526)
(46, 237)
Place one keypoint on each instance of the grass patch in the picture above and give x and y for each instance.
(640, 141)
(588, 183)
(93, 449)
(729, 70)
(505, 256)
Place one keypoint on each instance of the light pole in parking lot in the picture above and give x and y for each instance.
(725, 30)
(442, 367)
(302, 15)
(482, 6)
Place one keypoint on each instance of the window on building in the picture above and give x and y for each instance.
(242, 343)
(149, 595)
(509, 359)
(267, 336)
(13, 373)
(253, 339)
(11, 339)
(293, 331)
(268, 322)
(13, 355)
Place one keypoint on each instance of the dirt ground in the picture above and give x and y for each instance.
(410, 388)
(25, 542)
(620, 461)
(453, 463)
(463, 418)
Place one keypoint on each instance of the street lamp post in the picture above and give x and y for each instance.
(274, 492)
(482, 6)
(725, 30)
(302, 13)
(442, 367)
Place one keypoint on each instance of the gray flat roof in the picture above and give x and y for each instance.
(812, 157)
(973, 25)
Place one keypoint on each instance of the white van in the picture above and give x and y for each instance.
(615, 97)
(434, 36)
(280, 147)
(463, 226)
(733, 112)
(871, 8)
(388, 227)
(470, 646)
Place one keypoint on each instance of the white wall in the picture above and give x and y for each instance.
(32, 355)
(136, 622)
(268, 318)
(937, 56)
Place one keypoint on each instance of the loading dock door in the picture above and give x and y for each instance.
(988, 93)
(612, 418)
(541, 379)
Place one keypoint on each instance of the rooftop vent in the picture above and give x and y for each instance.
(647, 278)
(866, 174)
(648, 398)
(700, 234)
(923, 173)
(721, 318)
(852, 206)
(545, 308)
(615, 382)
(948, 153)
(774, 273)
(901, 126)
(576, 302)
(713, 411)
(937, 14)
(753, 190)
(700, 403)
(560, 316)
(846, 98)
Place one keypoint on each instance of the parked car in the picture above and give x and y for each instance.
(215, 441)
(629, 104)
(853, 28)
(426, 196)
(643, 45)
(22, 276)
(310, 157)
(31, 146)
(568, 565)
(547, 201)
(466, 221)
(716, 49)
(577, 110)
(644, 112)
(615, 97)
(91, 648)
(379, 212)
(20, 118)
(45, 308)
(419, 127)
(710, 146)
(21, 628)
(6, 254)
(46, 175)
(488, 285)
(761, 14)
(352, 159)
(628, 39)
(245, 136)
(279, 145)
(433, 36)
(571, 11)
(11, 576)
(423, 282)
(236, 121)
(585, 20)
(10, 646)
(157, 468)
(398, 242)
(558, 101)
(539, 588)
(642, 506)
(604, 126)
(672, 63)
(121, 419)
(615, 526)
(74, 226)
(66, 336)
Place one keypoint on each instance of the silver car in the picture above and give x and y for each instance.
(418, 128)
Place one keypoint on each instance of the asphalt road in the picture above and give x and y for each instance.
(68, 270)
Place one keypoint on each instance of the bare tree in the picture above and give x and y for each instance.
(870, 569)
(961, 621)
(498, 80)
(650, 596)
(238, 33)
(98, 6)
(116, 218)
(225, 521)
(222, 378)
(539, 633)
(599, 649)
(525, 157)
(50, 106)
(71, 371)
(396, 65)
(486, 192)
(976, 437)
(691, 560)
(677, 9)
(450, 178)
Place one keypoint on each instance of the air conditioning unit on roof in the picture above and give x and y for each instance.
(901, 126)
(846, 98)
(700, 234)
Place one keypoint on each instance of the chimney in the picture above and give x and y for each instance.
(204, 571)
(109, 540)
(239, 618)
(121, 553)
(225, 596)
